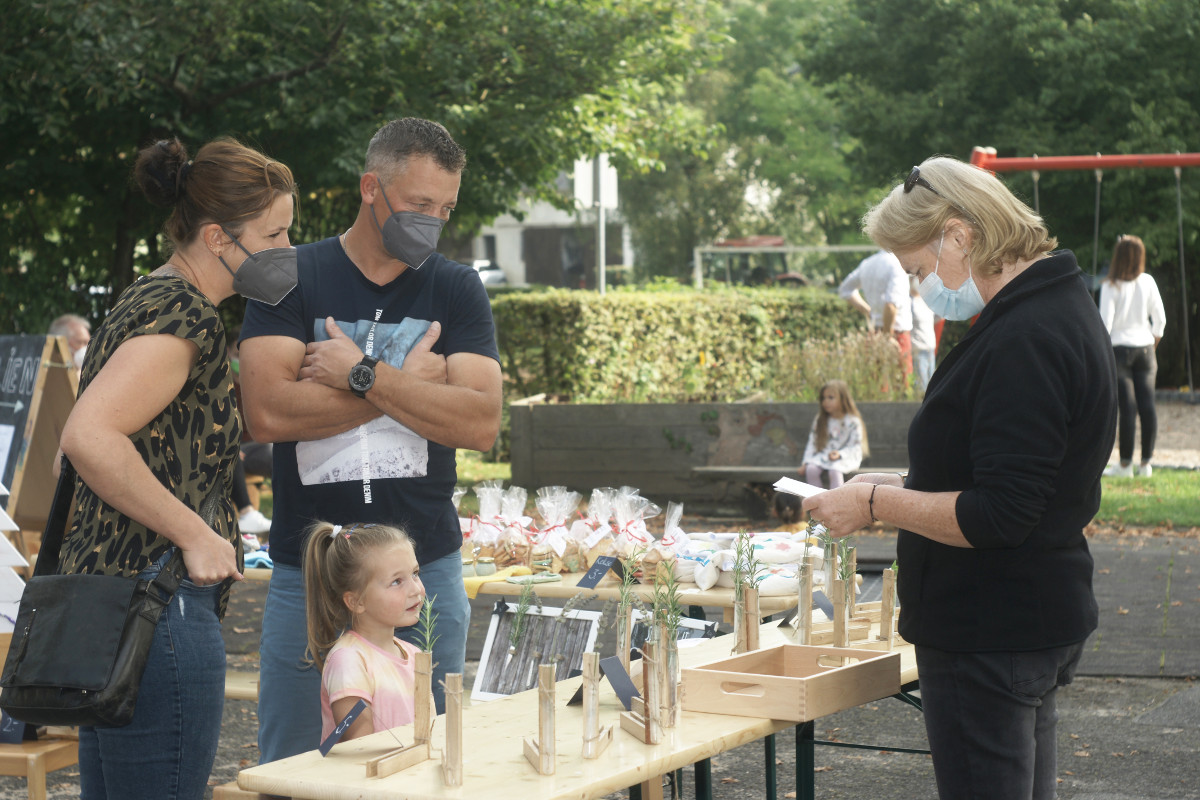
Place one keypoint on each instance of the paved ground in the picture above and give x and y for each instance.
(1130, 724)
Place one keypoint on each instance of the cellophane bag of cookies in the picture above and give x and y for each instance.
(487, 525)
(630, 512)
(595, 532)
(664, 554)
(515, 546)
(556, 504)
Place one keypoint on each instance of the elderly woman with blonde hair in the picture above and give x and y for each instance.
(1005, 458)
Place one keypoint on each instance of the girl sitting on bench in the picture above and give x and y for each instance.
(838, 439)
(363, 582)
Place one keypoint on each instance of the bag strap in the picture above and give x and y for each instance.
(56, 525)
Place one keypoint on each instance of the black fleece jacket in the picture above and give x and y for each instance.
(1020, 418)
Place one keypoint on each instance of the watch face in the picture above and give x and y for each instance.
(362, 377)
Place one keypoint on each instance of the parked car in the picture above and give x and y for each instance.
(490, 272)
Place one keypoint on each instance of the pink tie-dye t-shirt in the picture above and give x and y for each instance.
(357, 668)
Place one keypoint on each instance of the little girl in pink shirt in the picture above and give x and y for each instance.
(362, 583)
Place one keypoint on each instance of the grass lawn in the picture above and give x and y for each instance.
(1169, 498)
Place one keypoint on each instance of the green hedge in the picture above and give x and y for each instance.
(635, 346)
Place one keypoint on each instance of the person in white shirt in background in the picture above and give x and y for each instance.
(924, 338)
(1133, 312)
(878, 287)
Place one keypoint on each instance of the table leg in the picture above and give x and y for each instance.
(647, 790)
(805, 761)
(769, 757)
(704, 780)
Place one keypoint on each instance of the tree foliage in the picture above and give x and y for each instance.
(774, 161)
(1046, 77)
(526, 87)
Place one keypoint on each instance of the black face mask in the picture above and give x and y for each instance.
(408, 236)
(266, 276)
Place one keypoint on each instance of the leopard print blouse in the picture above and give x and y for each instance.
(190, 447)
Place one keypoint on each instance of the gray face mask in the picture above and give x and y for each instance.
(408, 236)
(266, 276)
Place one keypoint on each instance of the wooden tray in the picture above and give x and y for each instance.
(791, 682)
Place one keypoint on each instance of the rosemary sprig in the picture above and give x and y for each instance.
(426, 624)
(745, 564)
(668, 611)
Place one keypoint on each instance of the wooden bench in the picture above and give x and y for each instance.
(758, 496)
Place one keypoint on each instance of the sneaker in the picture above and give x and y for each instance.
(254, 522)
(250, 543)
(1145, 471)
(1119, 471)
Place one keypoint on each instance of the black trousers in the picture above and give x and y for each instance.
(1136, 370)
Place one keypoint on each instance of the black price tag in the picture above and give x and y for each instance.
(598, 570)
(619, 679)
(822, 602)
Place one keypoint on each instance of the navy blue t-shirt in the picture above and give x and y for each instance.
(380, 471)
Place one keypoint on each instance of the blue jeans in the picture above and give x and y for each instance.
(289, 697)
(991, 720)
(167, 751)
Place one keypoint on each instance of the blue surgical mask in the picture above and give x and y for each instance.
(408, 236)
(953, 304)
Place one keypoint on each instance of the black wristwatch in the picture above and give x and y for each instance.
(362, 376)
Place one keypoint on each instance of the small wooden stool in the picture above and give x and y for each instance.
(32, 760)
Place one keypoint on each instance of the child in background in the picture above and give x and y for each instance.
(362, 583)
(838, 439)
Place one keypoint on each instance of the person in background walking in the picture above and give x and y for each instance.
(924, 337)
(1133, 313)
(878, 289)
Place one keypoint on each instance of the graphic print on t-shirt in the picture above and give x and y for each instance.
(381, 448)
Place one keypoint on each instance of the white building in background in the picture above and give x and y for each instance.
(551, 247)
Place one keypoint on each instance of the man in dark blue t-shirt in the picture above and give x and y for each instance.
(367, 376)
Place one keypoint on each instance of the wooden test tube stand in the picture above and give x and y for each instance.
(452, 758)
(641, 721)
(595, 738)
(404, 757)
(540, 753)
(804, 623)
(887, 609)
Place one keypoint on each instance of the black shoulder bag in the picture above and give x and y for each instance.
(81, 642)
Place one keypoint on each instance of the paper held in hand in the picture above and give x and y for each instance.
(800, 488)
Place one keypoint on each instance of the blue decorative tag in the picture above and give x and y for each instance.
(342, 727)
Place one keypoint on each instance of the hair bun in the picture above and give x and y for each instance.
(160, 171)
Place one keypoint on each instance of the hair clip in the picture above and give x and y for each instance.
(336, 530)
